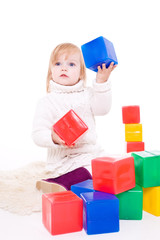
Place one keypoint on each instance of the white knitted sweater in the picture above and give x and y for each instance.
(87, 102)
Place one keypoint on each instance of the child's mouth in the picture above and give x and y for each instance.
(63, 75)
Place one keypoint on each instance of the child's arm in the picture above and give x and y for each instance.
(101, 99)
(42, 133)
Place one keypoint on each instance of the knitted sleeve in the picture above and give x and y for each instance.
(42, 124)
(101, 98)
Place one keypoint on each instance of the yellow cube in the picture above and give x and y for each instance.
(133, 132)
(151, 200)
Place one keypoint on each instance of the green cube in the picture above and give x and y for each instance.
(131, 204)
(147, 168)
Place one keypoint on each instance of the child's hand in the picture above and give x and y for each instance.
(104, 73)
(56, 139)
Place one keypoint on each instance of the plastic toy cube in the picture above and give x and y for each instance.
(131, 114)
(131, 204)
(134, 147)
(85, 186)
(147, 168)
(133, 132)
(97, 52)
(70, 127)
(62, 212)
(113, 174)
(151, 200)
(100, 212)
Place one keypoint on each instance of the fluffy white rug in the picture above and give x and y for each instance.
(18, 193)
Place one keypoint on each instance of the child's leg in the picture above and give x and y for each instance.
(47, 187)
(65, 181)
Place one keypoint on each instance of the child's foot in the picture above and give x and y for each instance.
(49, 187)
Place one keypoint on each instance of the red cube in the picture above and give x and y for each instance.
(131, 114)
(113, 174)
(70, 127)
(62, 212)
(134, 146)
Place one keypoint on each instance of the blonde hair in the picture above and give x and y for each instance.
(65, 48)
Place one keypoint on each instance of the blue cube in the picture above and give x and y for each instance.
(97, 52)
(85, 186)
(100, 212)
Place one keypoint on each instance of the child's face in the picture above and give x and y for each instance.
(66, 69)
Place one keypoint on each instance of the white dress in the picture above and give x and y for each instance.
(87, 102)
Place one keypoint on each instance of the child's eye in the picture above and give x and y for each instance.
(57, 63)
(71, 64)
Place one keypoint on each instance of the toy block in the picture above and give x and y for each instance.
(85, 186)
(155, 152)
(133, 132)
(131, 204)
(131, 114)
(113, 174)
(151, 200)
(70, 127)
(147, 168)
(62, 212)
(134, 147)
(97, 52)
(100, 213)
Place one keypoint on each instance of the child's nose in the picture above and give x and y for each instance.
(64, 67)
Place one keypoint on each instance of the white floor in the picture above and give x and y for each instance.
(30, 227)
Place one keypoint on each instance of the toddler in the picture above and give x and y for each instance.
(66, 90)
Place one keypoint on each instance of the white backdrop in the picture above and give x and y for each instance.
(31, 29)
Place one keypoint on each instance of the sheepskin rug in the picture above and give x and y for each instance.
(18, 193)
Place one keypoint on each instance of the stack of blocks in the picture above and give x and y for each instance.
(116, 175)
(112, 194)
(147, 163)
(133, 128)
(98, 204)
(147, 170)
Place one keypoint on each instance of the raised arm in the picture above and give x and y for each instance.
(101, 99)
